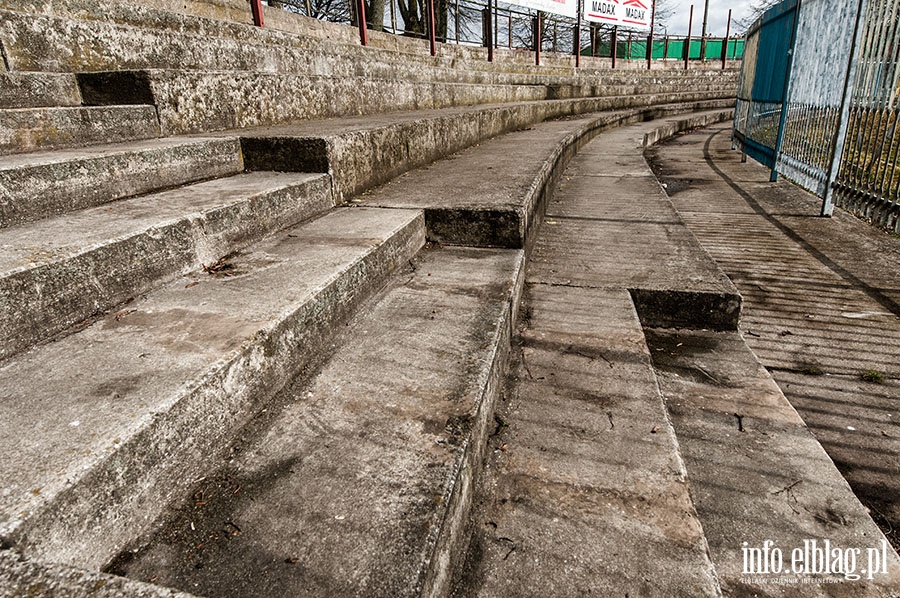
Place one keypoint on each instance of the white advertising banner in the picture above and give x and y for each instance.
(566, 8)
(633, 14)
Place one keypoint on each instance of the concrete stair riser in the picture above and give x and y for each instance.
(109, 495)
(33, 129)
(366, 158)
(38, 186)
(37, 90)
(385, 518)
(53, 294)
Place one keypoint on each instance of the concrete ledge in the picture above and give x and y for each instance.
(670, 129)
(31, 129)
(377, 453)
(35, 186)
(23, 577)
(36, 90)
(756, 471)
(63, 271)
(668, 308)
(502, 208)
(158, 391)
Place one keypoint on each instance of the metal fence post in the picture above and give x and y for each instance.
(361, 18)
(844, 119)
(431, 32)
(578, 7)
(687, 41)
(614, 44)
(779, 141)
(537, 38)
(489, 31)
(256, 9)
(725, 41)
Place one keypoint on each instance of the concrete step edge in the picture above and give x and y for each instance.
(52, 183)
(33, 129)
(110, 498)
(54, 294)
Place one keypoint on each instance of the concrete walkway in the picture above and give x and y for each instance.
(640, 444)
(820, 304)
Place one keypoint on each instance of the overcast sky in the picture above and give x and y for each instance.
(718, 16)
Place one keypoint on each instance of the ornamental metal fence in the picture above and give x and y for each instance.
(818, 101)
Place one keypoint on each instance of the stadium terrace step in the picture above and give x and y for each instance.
(65, 270)
(133, 410)
(33, 129)
(757, 472)
(584, 492)
(37, 90)
(358, 483)
(39, 185)
(507, 181)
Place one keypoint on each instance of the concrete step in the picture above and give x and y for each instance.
(31, 129)
(133, 410)
(758, 474)
(36, 90)
(584, 491)
(358, 483)
(39, 185)
(494, 194)
(65, 270)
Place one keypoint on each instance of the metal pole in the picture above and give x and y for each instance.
(579, 8)
(650, 37)
(840, 138)
(456, 21)
(256, 9)
(489, 31)
(361, 18)
(431, 32)
(537, 39)
(393, 17)
(614, 44)
(687, 42)
(509, 31)
(725, 42)
(703, 33)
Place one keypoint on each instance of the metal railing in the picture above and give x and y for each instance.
(501, 25)
(835, 117)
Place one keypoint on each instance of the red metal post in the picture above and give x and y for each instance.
(431, 33)
(725, 43)
(489, 31)
(361, 17)
(650, 37)
(256, 9)
(687, 41)
(614, 44)
(578, 35)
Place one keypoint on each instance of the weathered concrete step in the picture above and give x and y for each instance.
(38, 185)
(364, 151)
(630, 236)
(20, 576)
(133, 410)
(584, 492)
(358, 485)
(757, 474)
(31, 129)
(64, 270)
(36, 90)
(507, 180)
